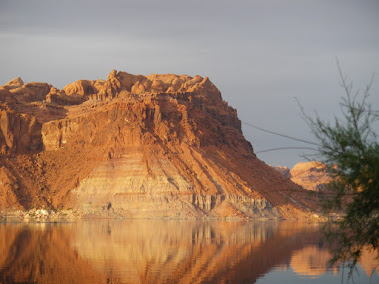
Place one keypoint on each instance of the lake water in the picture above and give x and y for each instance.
(170, 251)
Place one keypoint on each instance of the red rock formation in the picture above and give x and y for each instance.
(15, 83)
(19, 133)
(136, 146)
(311, 176)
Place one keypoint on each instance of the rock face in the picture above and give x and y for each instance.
(15, 83)
(135, 146)
(311, 176)
(19, 133)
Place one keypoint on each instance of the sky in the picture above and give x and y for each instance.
(262, 55)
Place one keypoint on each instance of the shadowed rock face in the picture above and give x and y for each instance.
(135, 146)
(20, 133)
(283, 170)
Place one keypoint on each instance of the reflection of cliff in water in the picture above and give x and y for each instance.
(313, 261)
(152, 251)
(41, 253)
(161, 251)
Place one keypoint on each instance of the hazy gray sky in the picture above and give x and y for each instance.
(260, 54)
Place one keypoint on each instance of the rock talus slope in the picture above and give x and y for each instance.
(135, 146)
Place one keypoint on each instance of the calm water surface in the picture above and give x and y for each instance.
(159, 251)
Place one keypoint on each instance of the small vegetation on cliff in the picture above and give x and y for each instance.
(350, 149)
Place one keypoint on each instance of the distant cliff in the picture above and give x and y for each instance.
(135, 146)
(310, 175)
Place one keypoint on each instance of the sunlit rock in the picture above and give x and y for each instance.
(161, 145)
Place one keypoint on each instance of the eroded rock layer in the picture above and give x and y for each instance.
(135, 146)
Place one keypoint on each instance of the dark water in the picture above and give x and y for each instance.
(158, 251)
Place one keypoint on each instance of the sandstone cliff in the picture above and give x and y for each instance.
(135, 146)
(310, 175)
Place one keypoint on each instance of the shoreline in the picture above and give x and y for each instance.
(70, 215)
